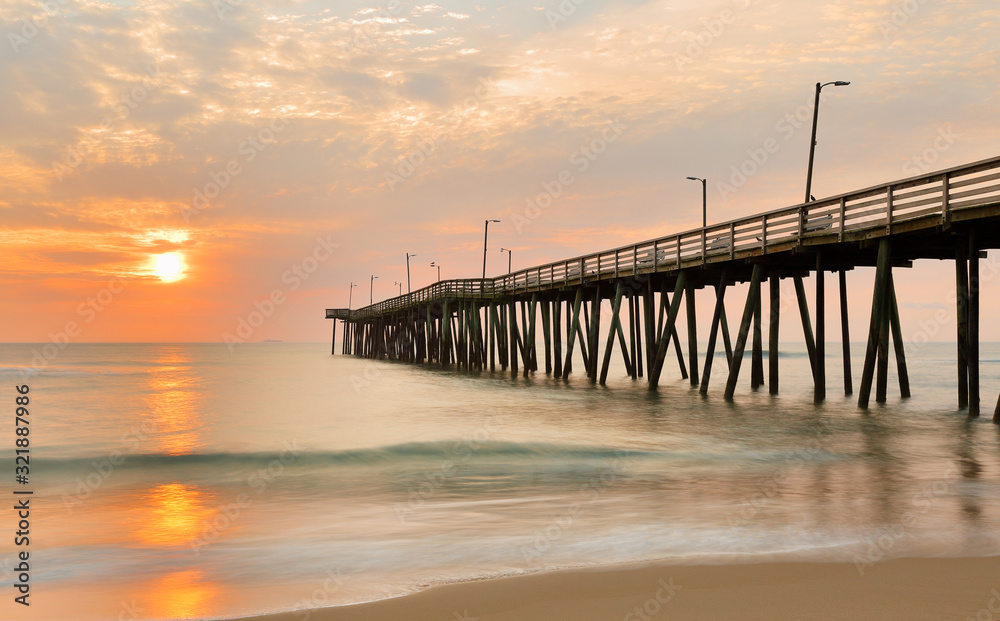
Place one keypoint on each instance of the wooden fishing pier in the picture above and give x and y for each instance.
(477, 324)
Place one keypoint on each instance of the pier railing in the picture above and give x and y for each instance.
(933, 197)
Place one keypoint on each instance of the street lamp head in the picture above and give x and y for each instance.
(492, 220)
(841, 83)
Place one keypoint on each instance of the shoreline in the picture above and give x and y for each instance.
(908, 588)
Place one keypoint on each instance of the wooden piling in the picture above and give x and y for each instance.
(547, 336)
(572, 331)
(807, 332)
(741, 340)
(609, 346)
(557, 337)
(713, 334)
(974, 403)
(774, 288)
(661, 346)
(692, 334)
(962, 315)
(757, 351)
(882, 271)
(845, 332)
(593, 335)
(819, 393)
(897, 341)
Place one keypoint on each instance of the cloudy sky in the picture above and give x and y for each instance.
(166, 167)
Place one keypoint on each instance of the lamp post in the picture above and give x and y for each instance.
(408, 255)
(400, 287)
(704, 200)
(508, 251)
(812, 141)
(437, 265)
(371, 292)
(486, 237)
(350, 295)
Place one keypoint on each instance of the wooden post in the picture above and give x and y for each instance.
(882, 272)
(713, 334)
(774, 288)
(661, 346)
(725, 337)
(637, 363)
(616, 307)
(757, 351)
(633, 342)
(974, 404)
(572, 331)
(882, 377)
(741, 340)
(820, 389)
(513, 338)
(962, 314)
(649, 328)
(594, 335)
(800, 294)
(446, 330)
(897, 341)
(625, 350)
(547, 336)
(557, 336)
(692, 334)
(333, 340)
(845, 335)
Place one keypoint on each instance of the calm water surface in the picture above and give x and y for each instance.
(178, 481)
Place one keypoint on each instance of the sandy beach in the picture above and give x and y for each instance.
(911, 589)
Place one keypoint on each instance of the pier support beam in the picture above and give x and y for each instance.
(720, 293)
(973, 325)
(774, 288)
(668, 330)
(820, 389)
(572, 330)
(757, 352)
(882, 273)
(897, 341)
(845, 335)
(614, 329)
(741, 340)
(962, 315)
(692, 328)
(333, 340)
(807, 332)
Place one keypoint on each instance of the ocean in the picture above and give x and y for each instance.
(179, 481)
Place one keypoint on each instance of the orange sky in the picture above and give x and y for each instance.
(166, 168)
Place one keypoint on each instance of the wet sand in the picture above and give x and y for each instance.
(910, 589)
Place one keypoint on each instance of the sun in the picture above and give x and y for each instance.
(169, 266)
